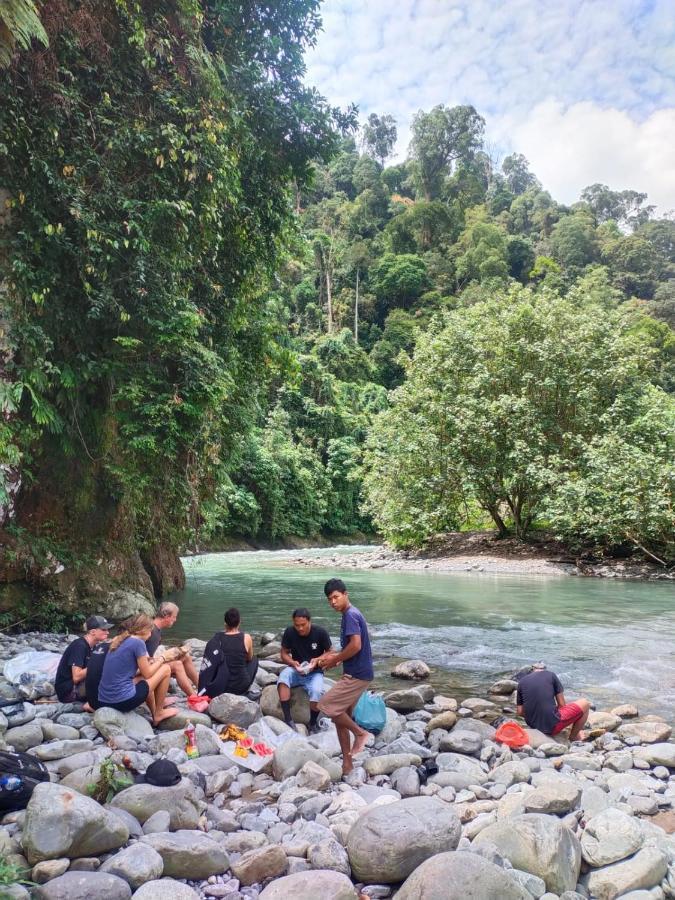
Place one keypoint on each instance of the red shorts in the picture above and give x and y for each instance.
(569, 714)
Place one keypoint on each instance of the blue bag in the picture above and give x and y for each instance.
(370, 712)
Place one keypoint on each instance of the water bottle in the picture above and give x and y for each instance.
(191, 748)
(11, 783)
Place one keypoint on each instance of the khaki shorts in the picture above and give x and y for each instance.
(343, 696)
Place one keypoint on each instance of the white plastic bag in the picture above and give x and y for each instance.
(32, 666)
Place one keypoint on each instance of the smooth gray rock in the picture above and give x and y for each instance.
(385, 765)
(410, 699)
(412, 669)
(181, 802)
(644, 870)
(62, 823)
(557, 796)
(461, 876)
(61, 749)
(292, 755)
(388, 842)
(47, 869)
(158, 822)
(329, 855)
(610, 836)
(136, 864)
(661, 754)
(393, 728)
(208, 742)
(84, 886)
(271, 706)
(52, 731)
(538, 844)
(645, 732)
(111, 723)
(189, 854)
(165, 889)
(462, 765)
(232, 708)
(406, 781)
(510, 773)
(23, 737)
(315, 885)
(260, 863)
(460, 741)
(313, 777)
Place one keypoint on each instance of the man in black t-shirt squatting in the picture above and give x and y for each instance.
(301, 645)
(72, 668)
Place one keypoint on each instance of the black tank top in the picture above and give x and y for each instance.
(234, 651)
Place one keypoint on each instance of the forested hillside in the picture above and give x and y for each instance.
(226, 312)
(536, 337)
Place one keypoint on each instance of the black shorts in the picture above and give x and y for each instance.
(142, 691)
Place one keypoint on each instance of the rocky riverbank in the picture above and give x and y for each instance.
(434, 808)
(483, 552)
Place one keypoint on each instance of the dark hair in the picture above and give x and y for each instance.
(301, 613)
(232, 617)
(334, 584)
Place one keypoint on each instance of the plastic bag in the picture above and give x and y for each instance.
(370, 712)
(19, 773)
(32, 666)
(512, 734)
(198, 702)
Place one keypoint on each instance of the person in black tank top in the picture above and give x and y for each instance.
(229, 665)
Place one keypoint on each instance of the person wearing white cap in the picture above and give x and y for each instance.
(72, 668)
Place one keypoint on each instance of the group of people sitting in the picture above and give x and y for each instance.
(133, 668)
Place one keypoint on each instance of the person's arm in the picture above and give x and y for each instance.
(248, 644)
(78, 669)
(330, 660)
(560, 699)
(288, 660)
(520, 710)
(147, 666)
(78, 674)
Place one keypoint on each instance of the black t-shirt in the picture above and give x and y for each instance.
(537, 692)
(304, 649)
(76, 654)
(154, 640)
(94, 672)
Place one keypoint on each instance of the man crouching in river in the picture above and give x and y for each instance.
(357, 668)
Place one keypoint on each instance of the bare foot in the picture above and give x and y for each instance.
(169, 701)
(165, 714)
(582, 736)
(360, 743)
(87, 708)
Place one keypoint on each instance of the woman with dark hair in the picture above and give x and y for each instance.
(121, 687)
(229, 665)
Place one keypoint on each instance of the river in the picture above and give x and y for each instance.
(611, 640)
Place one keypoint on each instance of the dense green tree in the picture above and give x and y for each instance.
(19, 25)
(623, 207)
(516, 172)
(441, 139)
(398, 280)
(379, 136)
(573, 243)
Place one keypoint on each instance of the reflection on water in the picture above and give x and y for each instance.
(609, 639)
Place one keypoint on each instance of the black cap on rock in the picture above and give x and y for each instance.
(161, 773)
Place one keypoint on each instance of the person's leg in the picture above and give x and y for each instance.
(345, 741)
(576, 732)
(158, 685)
(178, 670)
(190, 671)
(314, 687)
(344, 720)
(251, 670)
(288, 678)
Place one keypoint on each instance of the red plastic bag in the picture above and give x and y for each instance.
(511, 734)
(198, 702)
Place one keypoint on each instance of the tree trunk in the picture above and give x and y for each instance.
(356, 309)
(329, 299)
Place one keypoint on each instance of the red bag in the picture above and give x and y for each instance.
(511, 734)
(198, 702)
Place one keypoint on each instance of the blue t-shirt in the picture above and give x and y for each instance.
(119, 669)
(360, 665)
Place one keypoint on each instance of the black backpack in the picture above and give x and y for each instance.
(19, 774)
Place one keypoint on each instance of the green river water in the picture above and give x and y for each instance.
(610, 640)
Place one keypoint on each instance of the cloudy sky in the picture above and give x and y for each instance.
(584, 88)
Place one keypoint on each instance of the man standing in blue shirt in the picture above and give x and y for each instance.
(357, 669)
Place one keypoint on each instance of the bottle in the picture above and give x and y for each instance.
(11, 782)
(190, 741)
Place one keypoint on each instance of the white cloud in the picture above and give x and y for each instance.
(570, 148)
(585, 90)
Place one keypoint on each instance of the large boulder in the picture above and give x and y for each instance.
(208, 742)
(23, 737)
(260, 863)
(461, 876)
(462, 765)
(610, 836)
(136, 864)
(165, 889)
(538, 844)
(234, 710)
(61, 749)
(63, 823)
(555, 795)
(316, 885)
(385, 765)
(394, 727)
(292, 755)
(640, 872)
(410, 699)
(271, 706)
(661, 754)
(189, 854)
(111, 723)
(143, 800)
(84, 886)
(388, 842)
(645, 732)
(411, 669)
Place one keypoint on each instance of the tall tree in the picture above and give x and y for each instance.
(516, 171)
(379, 136)
(441, 139)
